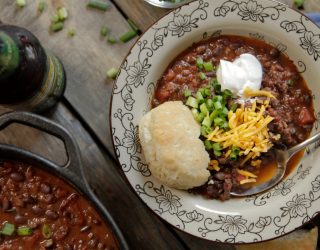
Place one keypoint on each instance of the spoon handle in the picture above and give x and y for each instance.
(303, 144)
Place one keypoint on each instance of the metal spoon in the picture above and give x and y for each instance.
(167, 4)
(282, 158)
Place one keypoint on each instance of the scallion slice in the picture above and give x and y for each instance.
(203, 108)
(199, 96)
(199, 62)
(24, 231)
(205, 130)
(234, 107)
(21, 3)
(104, 31)
(46, 231)
(111, 40)
(202, 76)
(126, 37)
(55, 27)
(234, 153)
(62, 13)
(98, 4)
(206, 122)
(41, 6)
(8, 229)
(217, 105)
(112, 73)
(200, 117)
(192, 102)
(208, 66)
(133, 25)
(187, 93)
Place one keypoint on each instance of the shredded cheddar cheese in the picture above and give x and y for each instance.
(214, 165)
(248, 131)
(251, 93)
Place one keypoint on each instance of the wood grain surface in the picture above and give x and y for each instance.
(85, 109)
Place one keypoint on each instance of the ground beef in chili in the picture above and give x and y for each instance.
(58, 216)
(292, 109)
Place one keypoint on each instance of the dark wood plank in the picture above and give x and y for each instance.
(141, 12)
(138, 224)
(86, 56)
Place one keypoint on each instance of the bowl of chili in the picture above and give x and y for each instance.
(177, 59)
(46, 206)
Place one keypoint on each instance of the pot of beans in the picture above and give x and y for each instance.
(47, 206)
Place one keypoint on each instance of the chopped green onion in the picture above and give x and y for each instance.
(199, 62)
(202, 76)
(208, 144)
(217, 98)
(104, 31)
(21, 3)
(133, 25)
(209, 103)
(112, 73)
(217, 153)
(8, 229)
(24, 231)
(199, 96)
(98, 4)
(206, 122)
(216, 146)
(126, 37)
(216, 86)
(298, 3)
(200, 117)
(192, 102)
(224, 111)
(195, 113)
(111, 40)
(71, 33)
(217, 105)
(208, 66)
(46, 231)
(62, 13)
(55, 18)
(41, 6)
(227, 94)
(207, 91)
(187, 93)
(234, 107)
(218, 121)
(203, 108)
(56, 26)
(214, 115)
(205, 130)
(224, 125)
(234, 153)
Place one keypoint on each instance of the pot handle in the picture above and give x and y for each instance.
(48, 126)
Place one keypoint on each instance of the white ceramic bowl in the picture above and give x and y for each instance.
(293, 202)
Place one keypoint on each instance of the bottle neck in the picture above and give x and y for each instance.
(9, 56)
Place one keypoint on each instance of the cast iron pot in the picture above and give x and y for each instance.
(66, 172)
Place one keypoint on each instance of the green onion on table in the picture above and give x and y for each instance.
(98, 4)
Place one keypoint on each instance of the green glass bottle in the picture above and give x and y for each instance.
(31, 78)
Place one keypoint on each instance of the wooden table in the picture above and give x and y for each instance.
(84, 110)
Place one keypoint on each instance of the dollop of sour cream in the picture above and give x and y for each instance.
(244, 72)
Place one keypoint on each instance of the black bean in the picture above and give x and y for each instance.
(45, 188)
(16, 176)
(37, 210)
(29, 199)
(20, 219)
(50, 198)
(51, 215)
(5, 204)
